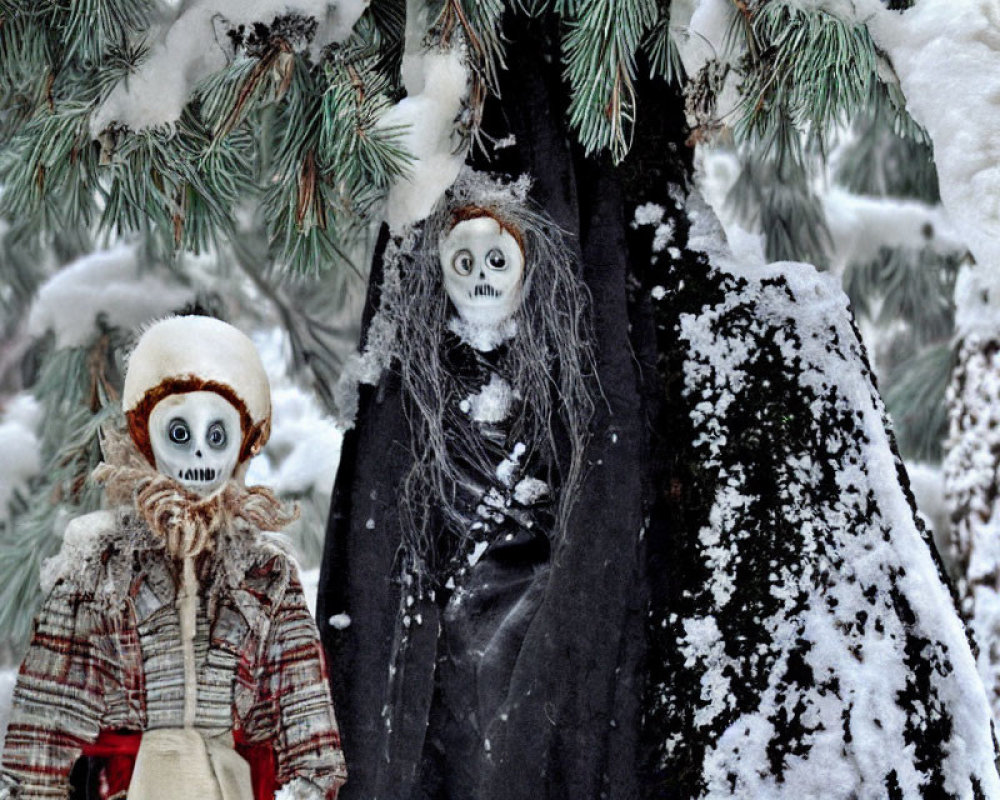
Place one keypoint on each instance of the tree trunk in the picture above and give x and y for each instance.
(972, 459)
(743, 603)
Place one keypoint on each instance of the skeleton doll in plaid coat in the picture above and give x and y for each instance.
(175, 643)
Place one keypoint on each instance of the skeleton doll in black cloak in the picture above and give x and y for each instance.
(482, 322)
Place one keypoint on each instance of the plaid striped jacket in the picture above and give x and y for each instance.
(106, 655)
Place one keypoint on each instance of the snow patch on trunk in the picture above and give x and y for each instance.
(830, 657)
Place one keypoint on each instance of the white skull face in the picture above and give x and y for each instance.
(196, 439)
(482, 268)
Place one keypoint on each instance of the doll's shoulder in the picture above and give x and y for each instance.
(80, 559)
(264, 566)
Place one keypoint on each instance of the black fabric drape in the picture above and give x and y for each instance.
(572, 701)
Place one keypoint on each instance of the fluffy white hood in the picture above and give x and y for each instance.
(198, 347)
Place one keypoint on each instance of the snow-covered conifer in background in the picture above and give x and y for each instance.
(972, 465)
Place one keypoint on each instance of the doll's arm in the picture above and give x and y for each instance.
(310, 759)
(58, 700)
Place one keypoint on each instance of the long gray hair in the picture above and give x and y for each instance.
(549, 363)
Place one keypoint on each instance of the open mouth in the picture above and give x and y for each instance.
(198, 474)
(484, 290)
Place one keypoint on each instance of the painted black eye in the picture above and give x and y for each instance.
(461, 262)
(178, 431)
(495, 259)
(217, 435)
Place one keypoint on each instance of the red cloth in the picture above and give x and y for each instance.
(119, 749)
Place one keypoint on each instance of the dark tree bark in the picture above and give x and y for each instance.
(574, 680)
(741, 565)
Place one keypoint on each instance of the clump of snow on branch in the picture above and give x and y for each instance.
(858, 673)
(437, 84)
(947, 57)
(701, 29)
(111, 283)
(193, 44)
(19, 443)
(860, 226)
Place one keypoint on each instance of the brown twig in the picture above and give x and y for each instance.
(308, 197)
(180, 208)
(279, 61)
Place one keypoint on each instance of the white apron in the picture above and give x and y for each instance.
(181, 763)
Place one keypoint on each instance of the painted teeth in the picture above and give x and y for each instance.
(198, 474)
(485, 290)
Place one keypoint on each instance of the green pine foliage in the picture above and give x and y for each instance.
(916, 399)
(311, 312)
(478, 22)
(804, 71)
(298, 137)
(907, 293)
(803, 74)
(76, 387)
(661, 49)
(601, 42)
(777, 198)
(884, 160)
(303, 137)
(389, 18)
(913, 285)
